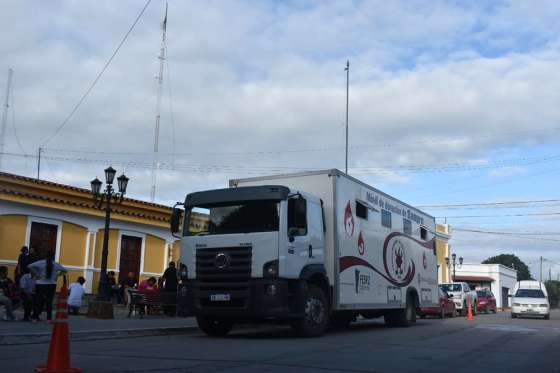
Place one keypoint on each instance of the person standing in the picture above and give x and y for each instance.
(45, 271)
(77, 291)
(23, 262)
(27, 286)
(169, 280)
(5, 289)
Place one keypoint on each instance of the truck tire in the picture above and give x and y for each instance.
(442, 313)
(316, 314)
(214, 327)
(403, 317)
(547, 317)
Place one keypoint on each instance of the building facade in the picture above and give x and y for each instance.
(443, 250)
(498, 278)
(63, 220)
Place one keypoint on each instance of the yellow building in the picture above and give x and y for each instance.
(62, 219)
(443, 250)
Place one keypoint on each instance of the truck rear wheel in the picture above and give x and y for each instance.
(316, 314)
(214, 327)
(404, 317)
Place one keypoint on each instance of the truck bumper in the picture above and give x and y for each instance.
(260, 299)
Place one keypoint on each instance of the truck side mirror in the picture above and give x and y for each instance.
(176, 220)
(291, 233)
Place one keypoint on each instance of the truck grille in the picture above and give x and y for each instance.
(233, 278)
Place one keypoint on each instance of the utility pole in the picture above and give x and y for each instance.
(5, 116)
(161, 57)
(541, 270)
(347, 92)
(39, 164)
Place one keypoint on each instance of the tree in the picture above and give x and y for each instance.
(512, 261)
(553, 289)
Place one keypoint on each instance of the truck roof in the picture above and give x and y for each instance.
(332, 171)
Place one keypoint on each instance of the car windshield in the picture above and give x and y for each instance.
(237, 217)
(529, 293)
(481, 293)
(451, 287)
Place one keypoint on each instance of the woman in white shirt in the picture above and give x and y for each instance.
(46, 271)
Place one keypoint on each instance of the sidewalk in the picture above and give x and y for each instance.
(83, 328)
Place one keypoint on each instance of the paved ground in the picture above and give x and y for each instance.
(490, 343)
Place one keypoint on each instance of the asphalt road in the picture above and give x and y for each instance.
(490, 343)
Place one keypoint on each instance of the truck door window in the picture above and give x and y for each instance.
(386, 218)
(361, 210)
(297, 217)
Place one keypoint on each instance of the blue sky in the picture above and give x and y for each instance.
(257, 87)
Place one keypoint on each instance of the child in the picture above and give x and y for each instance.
(27, 286)
(76, 293)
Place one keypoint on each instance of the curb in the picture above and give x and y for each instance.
(89, 335)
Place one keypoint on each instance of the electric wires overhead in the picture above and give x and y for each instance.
(97, 78)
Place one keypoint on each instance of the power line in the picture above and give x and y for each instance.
(65, 121)
(483, 204)
(508, 234)
(497, 216)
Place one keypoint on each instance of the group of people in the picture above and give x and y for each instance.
(34, 287)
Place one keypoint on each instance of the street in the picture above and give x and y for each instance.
(489, 343)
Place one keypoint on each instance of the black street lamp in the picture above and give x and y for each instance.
(453, 262)
(103, 200)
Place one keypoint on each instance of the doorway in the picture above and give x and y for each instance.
(43, 239)
(131, 251)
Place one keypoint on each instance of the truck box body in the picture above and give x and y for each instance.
(371, 255)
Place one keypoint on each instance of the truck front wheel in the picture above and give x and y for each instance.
(316, 314)
(214, 327)
(403, 317)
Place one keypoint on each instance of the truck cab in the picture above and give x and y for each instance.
(261, 250)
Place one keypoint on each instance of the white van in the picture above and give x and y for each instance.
(530, 299)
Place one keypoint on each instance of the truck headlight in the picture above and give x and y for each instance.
(270, 269)
(517, 304)
(543, 305)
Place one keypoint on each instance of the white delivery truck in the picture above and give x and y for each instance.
(305, 249)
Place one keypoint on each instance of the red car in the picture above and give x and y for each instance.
(446, 307)
(486, 301)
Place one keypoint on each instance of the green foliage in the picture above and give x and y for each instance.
(553, 290)
(510, 260)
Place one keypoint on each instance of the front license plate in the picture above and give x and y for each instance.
(219, 297)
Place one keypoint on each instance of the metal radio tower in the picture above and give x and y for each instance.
(5, 116)
(161, 57)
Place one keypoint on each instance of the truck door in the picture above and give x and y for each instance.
(305, 235)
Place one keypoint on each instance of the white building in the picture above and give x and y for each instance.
(499, 278)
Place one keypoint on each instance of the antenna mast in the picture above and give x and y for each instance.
(5, 116)
(161, 57)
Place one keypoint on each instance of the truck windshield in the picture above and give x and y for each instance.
(529, 293)
(234, 217)
(450, 287)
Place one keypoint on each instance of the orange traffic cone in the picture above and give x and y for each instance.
(469, 314)
(59, 351)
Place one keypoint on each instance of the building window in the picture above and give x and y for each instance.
(386, 218)
(407, 226)
(43, 239)
(423, 233)
(361, 210)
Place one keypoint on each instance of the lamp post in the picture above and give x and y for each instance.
(103, 200)
(453, 262)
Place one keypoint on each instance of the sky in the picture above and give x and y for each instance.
(450, 102)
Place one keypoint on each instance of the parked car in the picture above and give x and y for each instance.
(530, 299)
(462, 296)
(486, 301)
(446, 307)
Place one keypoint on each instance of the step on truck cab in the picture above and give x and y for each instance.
(305, 249)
